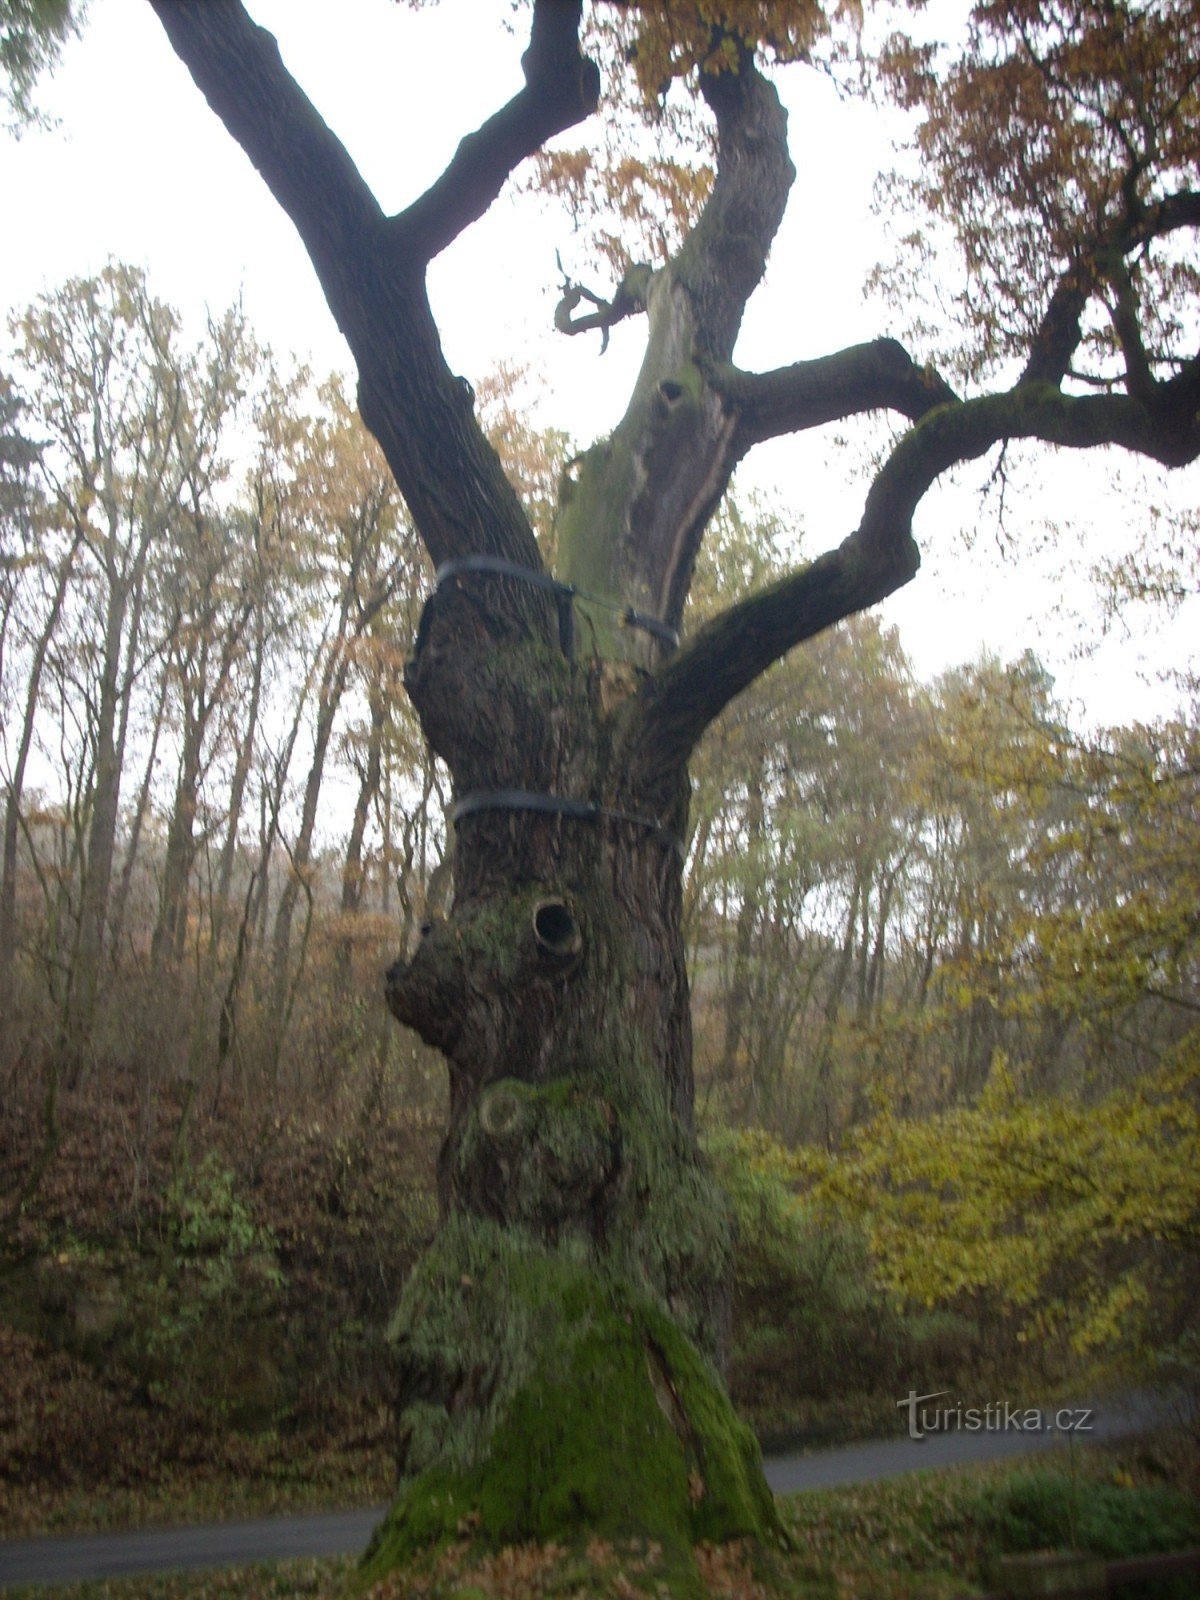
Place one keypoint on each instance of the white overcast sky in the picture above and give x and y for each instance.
(139, 169)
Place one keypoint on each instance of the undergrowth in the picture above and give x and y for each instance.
(924, 1536)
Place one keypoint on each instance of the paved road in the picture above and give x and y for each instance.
(115, 1555)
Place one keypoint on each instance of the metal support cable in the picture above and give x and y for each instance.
(555, 805)
(565, 593)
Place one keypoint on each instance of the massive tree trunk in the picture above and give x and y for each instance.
(558, 1348)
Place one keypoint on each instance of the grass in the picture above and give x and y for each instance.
(935, 1535)
(926, 1536)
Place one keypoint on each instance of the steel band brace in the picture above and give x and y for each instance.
(581, 810)
(565, 594)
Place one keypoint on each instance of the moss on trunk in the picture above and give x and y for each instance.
(558, 1349)
(579, 1408)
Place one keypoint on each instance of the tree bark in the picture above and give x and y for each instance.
(580, 1227)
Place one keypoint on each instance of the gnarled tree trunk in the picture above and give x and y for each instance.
(559, 1346)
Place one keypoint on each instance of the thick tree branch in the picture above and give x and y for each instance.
(1175, 211)
(238, 68)
(1061, 328)
(731, 651)
(562, 87)
(639, 504)
(722, 260)
(865, 377)
(421, 413)
(1139, 378)
(737, 646)
(1176, 404)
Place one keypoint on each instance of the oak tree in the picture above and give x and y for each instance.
(558, 1347)
(133, 426)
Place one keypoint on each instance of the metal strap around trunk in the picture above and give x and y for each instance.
(554, 805)
(564, 593)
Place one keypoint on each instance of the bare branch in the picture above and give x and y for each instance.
(628, 301)
(562, 87)
(723, 258)
(865, 377)
(238, 68)
(736, 647)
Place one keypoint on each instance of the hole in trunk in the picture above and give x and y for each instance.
(670, 391)
(557, 933)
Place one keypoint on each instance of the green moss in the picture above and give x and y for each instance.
(585, 541)
(495, 935)
(603, 1419)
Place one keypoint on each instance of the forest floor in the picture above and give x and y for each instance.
(241, 1478)
(932, 1535)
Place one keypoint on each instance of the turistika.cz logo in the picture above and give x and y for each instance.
(997, 1416)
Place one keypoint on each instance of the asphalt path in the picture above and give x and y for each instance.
(54, 1560)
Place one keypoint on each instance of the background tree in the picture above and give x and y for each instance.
(134, 426)
(18, 555)
(555, 1345)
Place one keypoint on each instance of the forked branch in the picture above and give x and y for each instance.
(238, 68)
(372, 271)
(723, 258)
(737, 646)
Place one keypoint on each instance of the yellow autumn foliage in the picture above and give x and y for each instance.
(1081, 1218)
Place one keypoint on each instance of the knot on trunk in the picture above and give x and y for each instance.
(458, 988)
(546, 1157)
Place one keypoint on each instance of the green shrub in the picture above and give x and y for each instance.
(810, 1321)
(1050, 1510)
(203, 1302)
